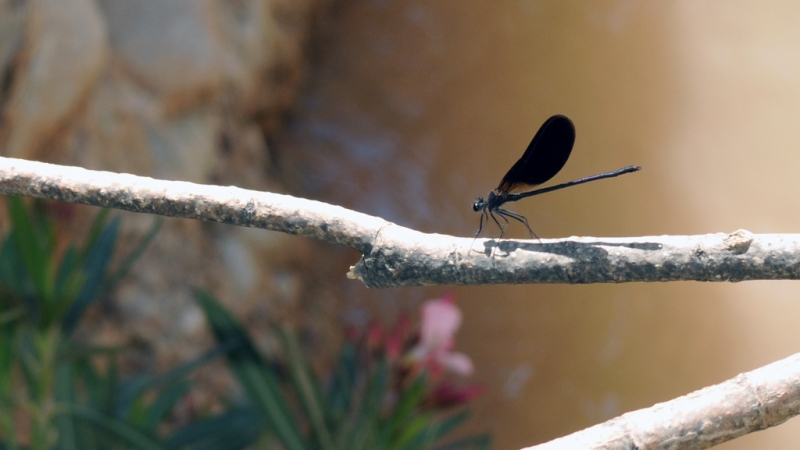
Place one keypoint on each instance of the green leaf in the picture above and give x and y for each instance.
(443, 427)
(435, 430)
(115, 428)
(67, 434)
(29, 363)
(71, 351)
(341, 390)
(404, 411)
(9, 433)
(363, 431)
(69, 279)
(8, 399)
(307, 389)
(32, 248)
(13, 278)
(7, 356)
(97, 254)
(110, 388)
(257, 378)
(164, 403)
(98, 225)
(92, 382)
(377, 391)
(10, 317)
(415, 435)
(137, 413)
(95, 265)
(134, 256)
(233, 430)
(479, 442)
(137, 386)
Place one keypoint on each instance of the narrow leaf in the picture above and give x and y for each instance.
(116, 428)
(257, 378)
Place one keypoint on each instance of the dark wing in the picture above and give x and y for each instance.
(545, 157)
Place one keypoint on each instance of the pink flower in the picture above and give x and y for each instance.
(447, 394)
(396, 339)
(374, 337)
(440, 321)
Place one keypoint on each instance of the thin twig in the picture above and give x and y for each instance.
(395, 256)
(750, 402)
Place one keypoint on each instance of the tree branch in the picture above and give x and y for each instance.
(752, 401)
(395, 256)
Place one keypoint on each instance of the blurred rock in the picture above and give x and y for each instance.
(55, 66)
(175, 89)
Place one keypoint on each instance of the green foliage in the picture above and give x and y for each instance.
(67, 402)
(258, 378)
(47, 292)
(349, 412)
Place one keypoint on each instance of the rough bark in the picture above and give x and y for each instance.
(395, 256)
(750, 402)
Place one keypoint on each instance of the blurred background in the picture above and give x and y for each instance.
(409, 110)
